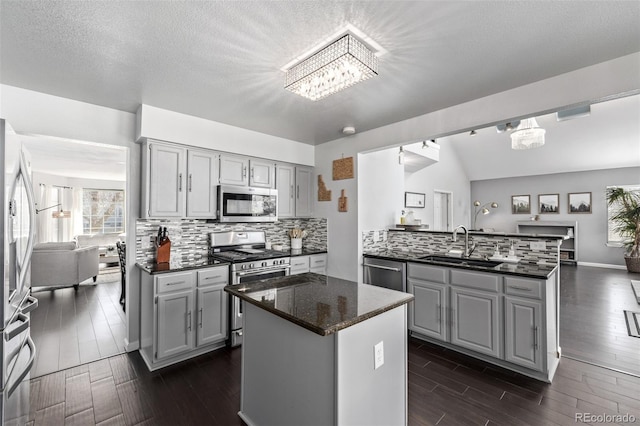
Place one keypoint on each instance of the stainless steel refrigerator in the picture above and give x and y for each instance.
(17, 350)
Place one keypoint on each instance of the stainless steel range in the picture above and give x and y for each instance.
(250, 261)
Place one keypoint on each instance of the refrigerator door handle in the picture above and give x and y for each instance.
(32, 219)
(13, 386)
(29, 304)
(10, 333)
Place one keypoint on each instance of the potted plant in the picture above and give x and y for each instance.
(626, 222)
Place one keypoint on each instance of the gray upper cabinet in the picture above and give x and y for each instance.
(262, 174)
(294, 185)
(242, 171)
(304, 191)
(202, 179)
(166, 167)
(178, 182)
(234, 170)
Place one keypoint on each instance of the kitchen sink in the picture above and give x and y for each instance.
(462, 261)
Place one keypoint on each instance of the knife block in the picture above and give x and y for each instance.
(163, 254)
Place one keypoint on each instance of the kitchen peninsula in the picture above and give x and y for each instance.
(322, 350)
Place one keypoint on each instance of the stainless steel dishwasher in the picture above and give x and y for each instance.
(385, 273)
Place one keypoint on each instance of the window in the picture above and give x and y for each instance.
(102, 211)
(613, 238)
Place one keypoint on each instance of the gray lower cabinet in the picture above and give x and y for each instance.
(508, 320)
(429, 310)
(475, 321)
(183, 314)
(523, 328)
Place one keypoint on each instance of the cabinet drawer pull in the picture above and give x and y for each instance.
(200, 317)
(244, 171)
(189, 320)
(179, 182)
(190, 181)
(535, 337)
(515, 287)
(175, 283)
(291, 191)
(213, 277)
(298, 192)
(252, 173)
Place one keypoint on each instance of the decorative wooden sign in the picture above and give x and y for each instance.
(343, 168)
(323, 193)
(342, 202)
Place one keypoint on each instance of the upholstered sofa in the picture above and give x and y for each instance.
(106, 244)
(63, 264)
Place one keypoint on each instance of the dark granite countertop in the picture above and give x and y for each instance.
(205, 262)
(319, 303)
(179, 266)
(487, 234)
(529, 270)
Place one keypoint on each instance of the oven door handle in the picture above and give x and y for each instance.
(262, 271)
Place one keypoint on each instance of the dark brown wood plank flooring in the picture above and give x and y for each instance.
(71, 328)
(445, 388)
(592, 325)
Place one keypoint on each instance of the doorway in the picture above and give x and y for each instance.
(442, 210)
(74, 326)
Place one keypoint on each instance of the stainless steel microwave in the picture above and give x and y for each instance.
(247, 204)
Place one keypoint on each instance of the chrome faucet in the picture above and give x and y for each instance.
(466, 239)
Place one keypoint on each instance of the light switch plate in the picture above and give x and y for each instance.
(378, 353)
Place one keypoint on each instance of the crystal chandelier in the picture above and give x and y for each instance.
(341, 64)
(527, 135)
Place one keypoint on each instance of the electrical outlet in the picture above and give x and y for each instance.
(378, 354)
(537, 245)
(376, 236)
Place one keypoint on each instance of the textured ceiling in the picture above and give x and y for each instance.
(221, 60)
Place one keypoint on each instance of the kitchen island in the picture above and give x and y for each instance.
(319, 350)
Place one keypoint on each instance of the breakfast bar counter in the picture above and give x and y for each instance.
(322, 350)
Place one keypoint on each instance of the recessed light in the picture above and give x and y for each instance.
(348, 130)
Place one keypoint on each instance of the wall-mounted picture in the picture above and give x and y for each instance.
(548, 203)
(520, 204)
(414, 199)
(580, 202)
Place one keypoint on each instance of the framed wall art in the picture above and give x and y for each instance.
(414, 200)
(548, 203)
(520, 204)
(580, 202)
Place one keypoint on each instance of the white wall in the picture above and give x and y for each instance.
(592, 228)
(380, 189)
(582, 86)
(157, 123)
(446, 175)
(38, 113)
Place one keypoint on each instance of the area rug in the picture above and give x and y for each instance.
(633, 323)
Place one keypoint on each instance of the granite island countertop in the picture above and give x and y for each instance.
(319, 303)
(530, 270)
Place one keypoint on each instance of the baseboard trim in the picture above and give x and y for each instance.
(131, 346)
(602, 265)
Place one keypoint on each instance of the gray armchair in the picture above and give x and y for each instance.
(63, 265)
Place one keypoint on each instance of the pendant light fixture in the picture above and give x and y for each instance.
(527, 135)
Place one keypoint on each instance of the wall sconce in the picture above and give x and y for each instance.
(401, 156)
(482, 209)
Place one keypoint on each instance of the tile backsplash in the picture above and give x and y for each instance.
(442, 242)
(190, 237)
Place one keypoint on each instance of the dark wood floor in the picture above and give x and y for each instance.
(592, 325)
(71, 327)
(445, 388)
